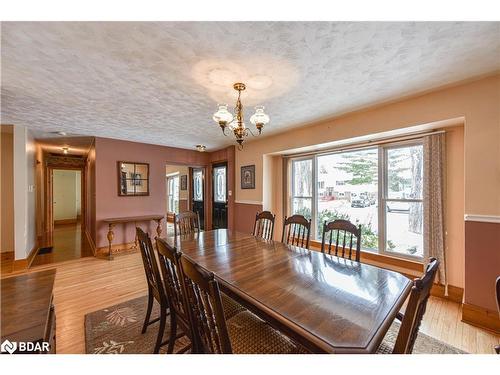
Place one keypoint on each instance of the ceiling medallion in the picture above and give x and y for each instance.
(236, 123)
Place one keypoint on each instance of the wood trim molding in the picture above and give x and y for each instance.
(256, 203)
(483, 218)
(481, 317)
(455, 293)
(91, 242)
(7, 255)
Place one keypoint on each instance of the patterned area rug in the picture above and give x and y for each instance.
(117, 330)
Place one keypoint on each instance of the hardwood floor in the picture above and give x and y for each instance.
(69, 242)
(90, 284)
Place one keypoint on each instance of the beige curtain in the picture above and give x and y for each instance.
(434, 202)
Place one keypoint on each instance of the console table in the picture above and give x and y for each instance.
(130, 219)
(28, 314)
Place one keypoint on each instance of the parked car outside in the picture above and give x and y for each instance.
(402, 207)
(360, 203)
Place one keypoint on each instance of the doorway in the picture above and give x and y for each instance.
(65, 214)
(219, 201)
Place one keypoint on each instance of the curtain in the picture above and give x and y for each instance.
(434, 202)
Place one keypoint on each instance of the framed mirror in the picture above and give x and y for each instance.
(133, 178)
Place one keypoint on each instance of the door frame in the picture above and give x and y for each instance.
(49, 197)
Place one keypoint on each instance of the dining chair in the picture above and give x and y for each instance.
(186, 223)
(243, 333)
(497, 348)
(414, 313)
(296, 231)
(168, 257)
(263, 226)
(342, 233)
(156, 290)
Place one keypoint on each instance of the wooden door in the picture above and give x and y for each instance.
(219, 196)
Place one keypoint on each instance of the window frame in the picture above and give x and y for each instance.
(170, 194)
(382, 194)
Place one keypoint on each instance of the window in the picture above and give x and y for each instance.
(198, 185)
(379, 188)
(302, 187)
(220, 184)
(173, 193)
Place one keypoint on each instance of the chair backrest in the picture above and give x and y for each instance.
(151, 269)
(415, 309)
(169, 259)
(186, 223)
(296, 231)
(264, 225)
(341, 234)
(206, 312)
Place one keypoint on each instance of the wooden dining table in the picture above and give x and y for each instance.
(326, 303)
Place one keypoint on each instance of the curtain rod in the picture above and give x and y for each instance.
(365, 144)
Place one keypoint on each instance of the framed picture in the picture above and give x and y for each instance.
(248, 177)
(184, 182)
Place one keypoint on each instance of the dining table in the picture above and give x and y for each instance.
(325, 303)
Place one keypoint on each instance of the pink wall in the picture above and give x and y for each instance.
(108, 204)
(482, 241)
(245, 216)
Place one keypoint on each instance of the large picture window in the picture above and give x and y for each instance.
(379, 188)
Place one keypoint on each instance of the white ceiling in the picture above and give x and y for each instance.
(160, 82)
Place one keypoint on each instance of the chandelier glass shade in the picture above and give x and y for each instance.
(236, 122)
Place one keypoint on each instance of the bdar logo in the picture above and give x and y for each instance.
(8, 346)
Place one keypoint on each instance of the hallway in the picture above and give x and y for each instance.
(69, 243)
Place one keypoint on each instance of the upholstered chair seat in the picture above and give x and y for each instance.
(230, 306)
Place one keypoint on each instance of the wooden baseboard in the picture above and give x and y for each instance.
(22, 264)
(481, 317)
(7, 255)
(91, 241)
(115, 249)
(455, 293)
(65, 221)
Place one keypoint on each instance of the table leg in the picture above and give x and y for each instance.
(110, 237)
(158, 228)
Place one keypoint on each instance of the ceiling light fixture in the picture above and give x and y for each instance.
(201, 148)
(236, 123)
(65, 150)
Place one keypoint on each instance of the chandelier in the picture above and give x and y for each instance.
(236, 123)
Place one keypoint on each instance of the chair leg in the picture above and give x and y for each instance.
(161, 329)
(173, 333)
(148, 312)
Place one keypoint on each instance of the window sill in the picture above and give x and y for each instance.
(410, 268)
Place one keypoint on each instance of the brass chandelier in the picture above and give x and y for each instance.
(236, 123)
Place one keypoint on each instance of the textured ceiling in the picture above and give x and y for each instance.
(160, 82)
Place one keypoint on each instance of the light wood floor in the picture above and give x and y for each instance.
(90, 284)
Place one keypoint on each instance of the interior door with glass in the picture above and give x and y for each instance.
(197, 202)
(219, 202)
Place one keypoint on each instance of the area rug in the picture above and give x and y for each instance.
(117, 330)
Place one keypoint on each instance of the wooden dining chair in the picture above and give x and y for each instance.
(168, 258)
(296, 231)
(414, 313)
(212, 333)
(156, 290)
(341, 233)
(263, 226)
(186, 223)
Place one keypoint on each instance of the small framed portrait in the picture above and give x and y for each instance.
(184, 182)
(248, 177)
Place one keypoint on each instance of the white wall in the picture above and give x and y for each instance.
(24, 192)
(67, 194)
